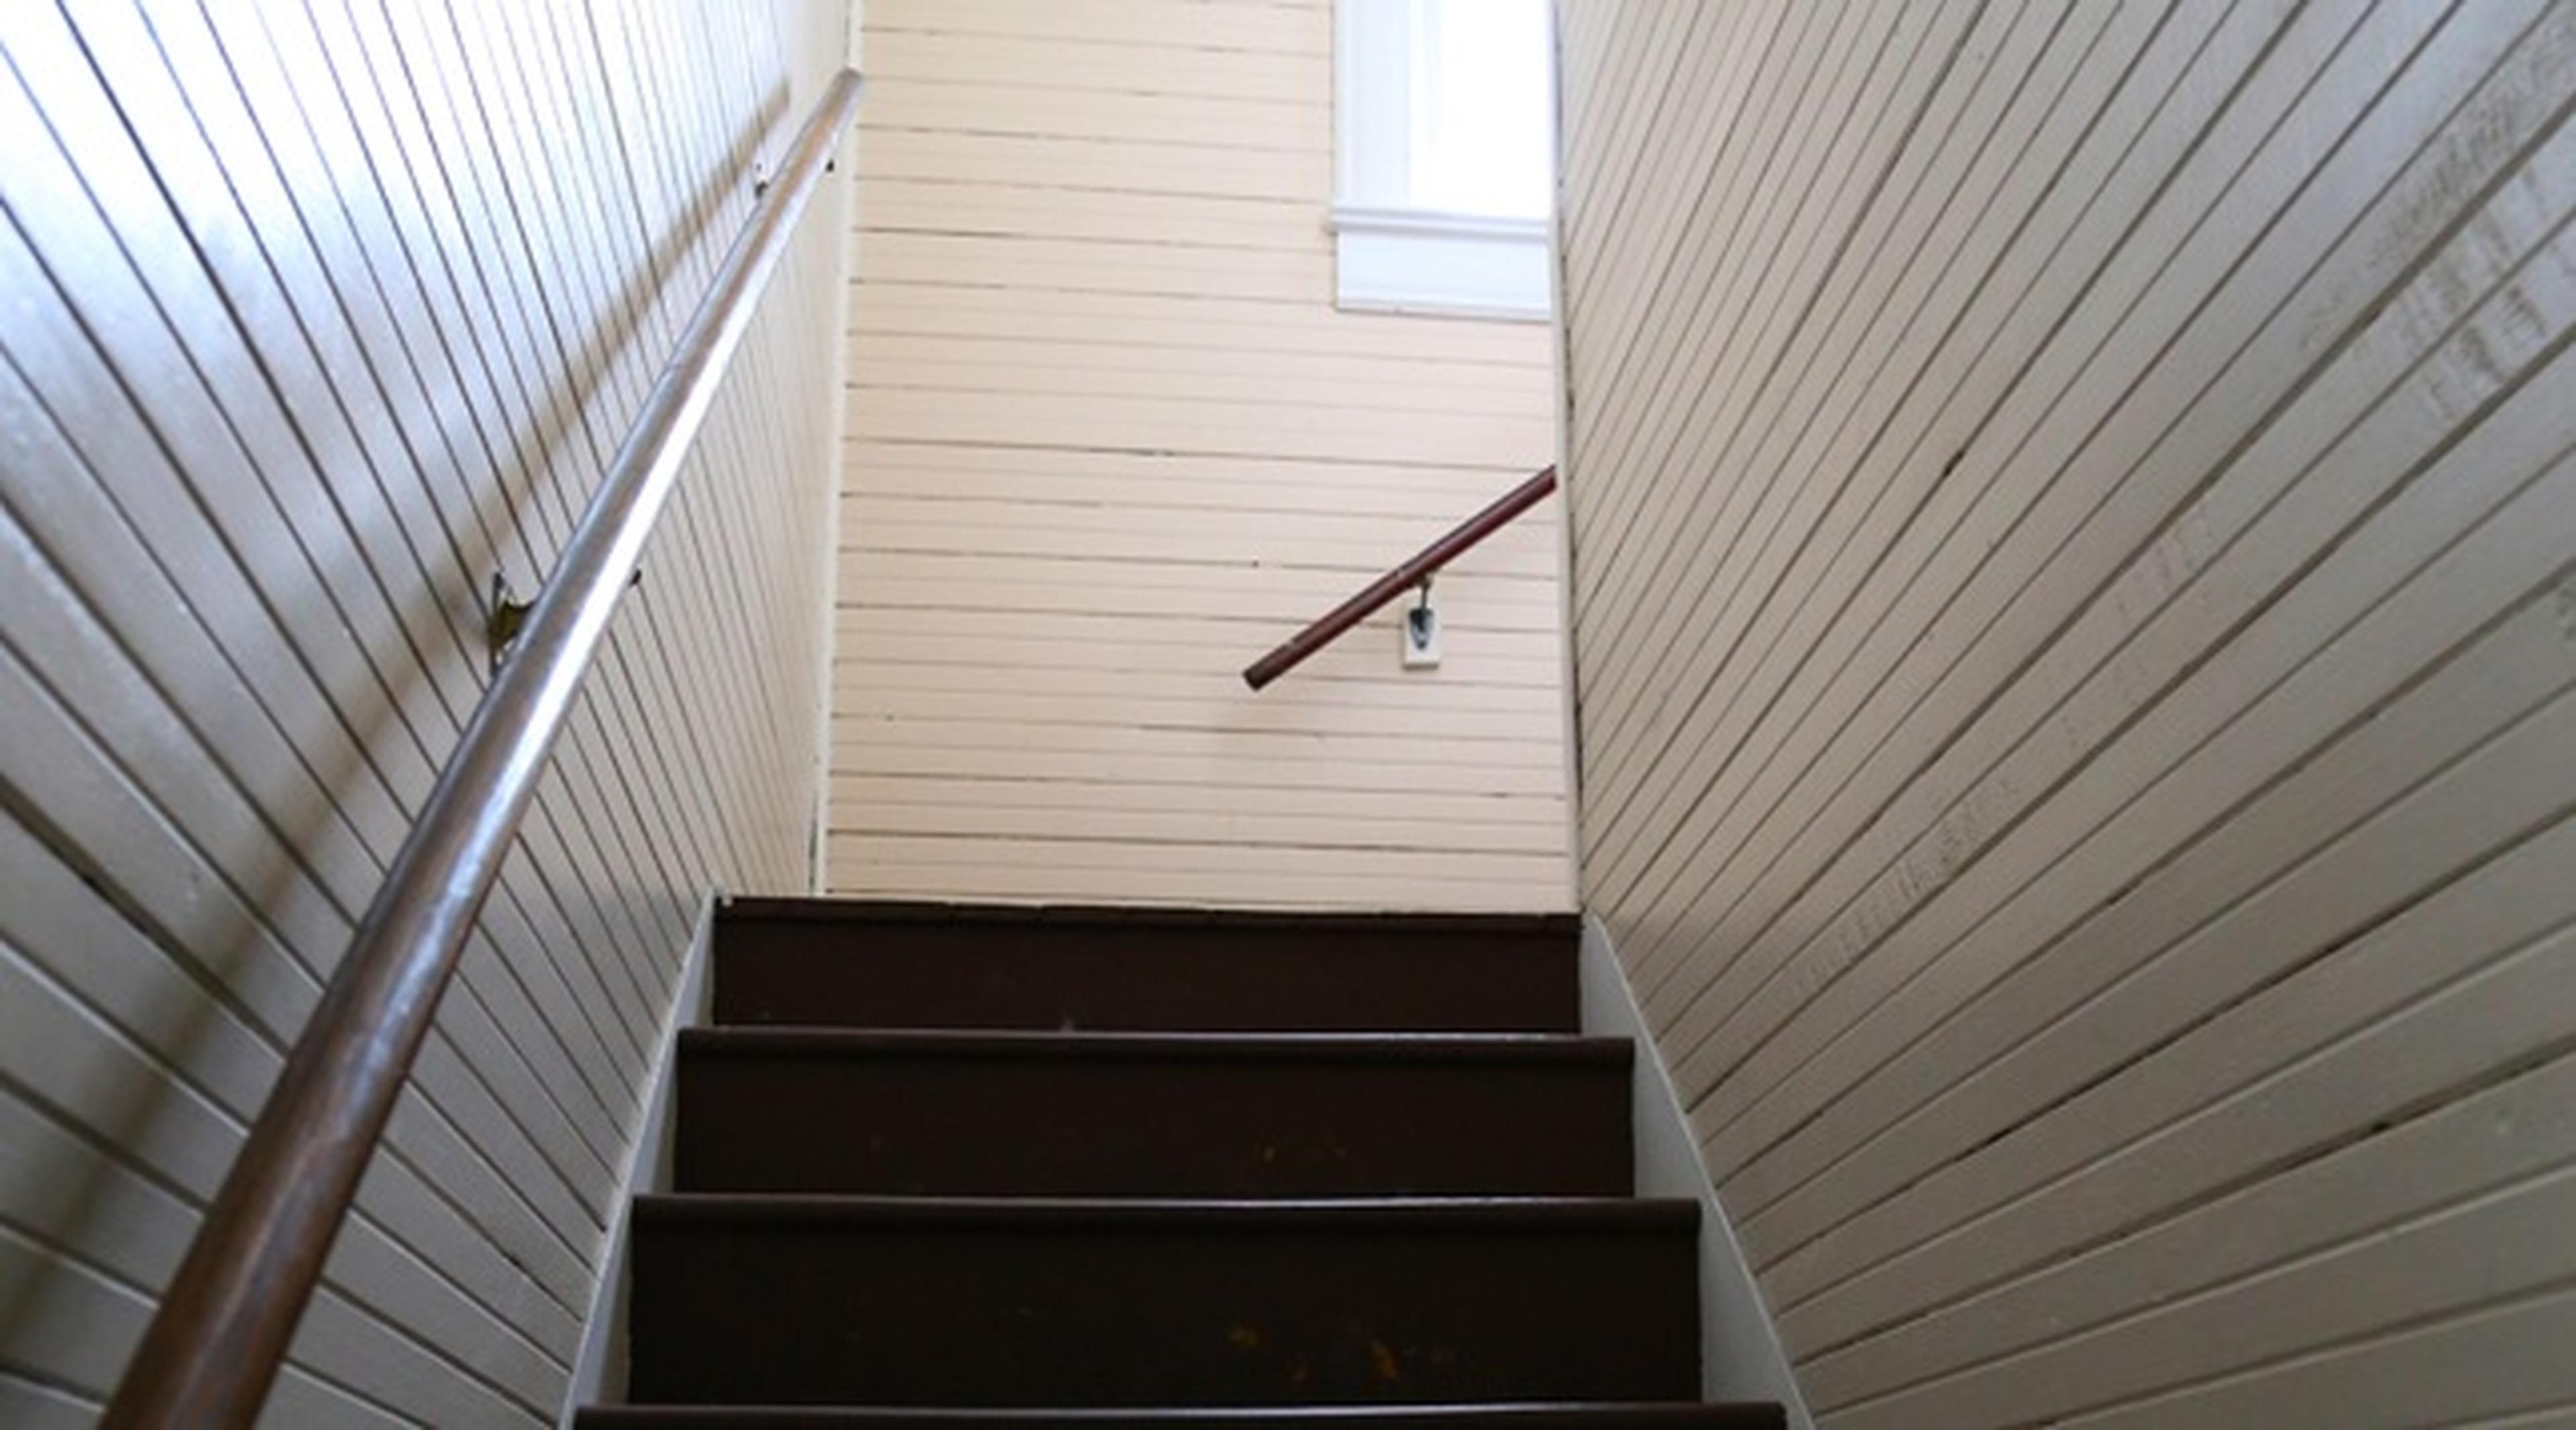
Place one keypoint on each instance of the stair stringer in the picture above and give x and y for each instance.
(599, 1367)
(1741, 1357)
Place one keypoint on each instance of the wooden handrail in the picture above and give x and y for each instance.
(221, 1330)
(1328, 627)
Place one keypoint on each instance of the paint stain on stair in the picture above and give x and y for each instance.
(1383, 1360)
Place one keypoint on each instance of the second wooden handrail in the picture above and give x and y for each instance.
(1325, 629)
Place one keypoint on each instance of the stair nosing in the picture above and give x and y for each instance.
(782, 1041)
(1470, 1412)
(1348, 1214)
(790, 908)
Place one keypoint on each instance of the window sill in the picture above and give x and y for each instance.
(1450, 265)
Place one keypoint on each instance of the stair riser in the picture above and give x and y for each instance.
(1228, 1128)
(820, 1311)
(810, 970)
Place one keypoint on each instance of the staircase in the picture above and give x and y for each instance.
(942, 1165)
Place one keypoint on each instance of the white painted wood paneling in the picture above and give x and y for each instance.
(1108, 441)
(317, 314)
(2072, 624)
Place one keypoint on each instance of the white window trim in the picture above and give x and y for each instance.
(1393, 257)
(1425, 261)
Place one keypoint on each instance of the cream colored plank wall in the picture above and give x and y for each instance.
(1108, 440)
(2074, 631)
(316, 315)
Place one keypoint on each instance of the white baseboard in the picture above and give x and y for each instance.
(599, 1370)
(1740, 1353)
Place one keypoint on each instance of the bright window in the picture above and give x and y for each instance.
(1446, 141)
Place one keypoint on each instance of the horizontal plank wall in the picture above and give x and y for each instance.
(2074, 627)
(1108, 440)
(314, 317)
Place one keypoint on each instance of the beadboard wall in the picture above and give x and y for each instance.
(1108, 440)
(315, 316)
(2072, 519)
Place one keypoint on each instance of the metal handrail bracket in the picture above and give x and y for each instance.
(215, 1344)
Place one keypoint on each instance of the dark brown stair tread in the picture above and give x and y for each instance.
(1730, 1416)
(1399, 1214)
(905, 965)
(789, 1040)
(1094, 1166)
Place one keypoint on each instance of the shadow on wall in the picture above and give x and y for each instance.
(219, 1000)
